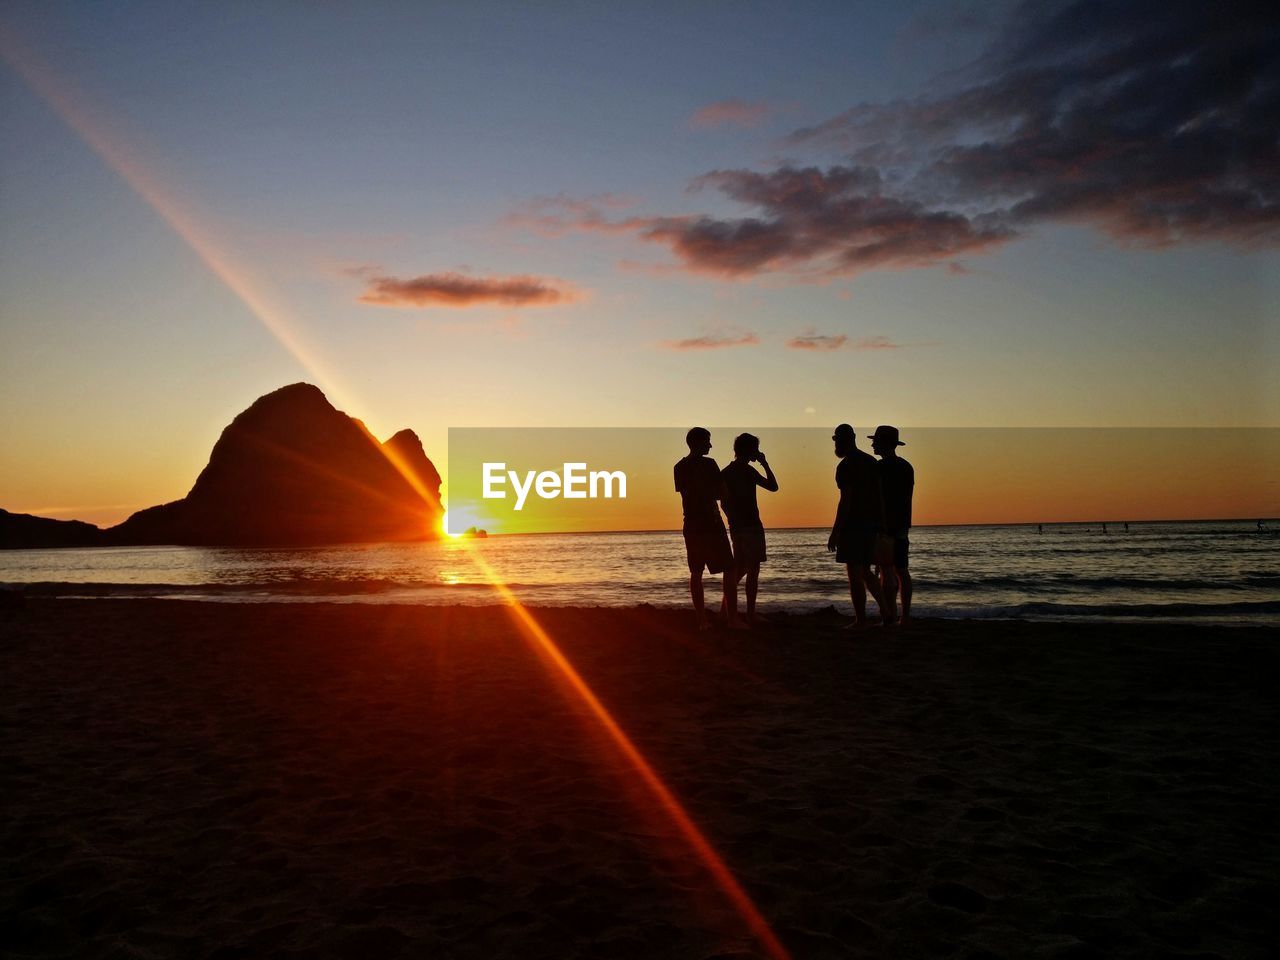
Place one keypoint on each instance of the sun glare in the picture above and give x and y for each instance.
(444, 526)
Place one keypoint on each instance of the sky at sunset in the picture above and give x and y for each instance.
(583, 214)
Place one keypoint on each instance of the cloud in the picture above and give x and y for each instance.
(456, 290)
(879, 343)
(1152, 122)
(817, 341)
(713, 342)
(730, 113)
(835, 222)
(809, 340)
(558, 215)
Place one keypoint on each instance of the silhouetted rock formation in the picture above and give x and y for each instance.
(23, 531)
(293, 471)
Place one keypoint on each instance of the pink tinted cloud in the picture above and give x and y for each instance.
(713, 342)
(818, 341)
(809, 340)
(730, 113)
(459, 290)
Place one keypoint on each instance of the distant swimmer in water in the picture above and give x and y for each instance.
(1104, 528)
(1126, 526)
(1040, 528)
(1262, 527)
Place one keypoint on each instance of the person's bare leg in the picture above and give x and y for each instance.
(753, 587)
(873, 588)
(888, 590)
(731, 618)
(858, 594)
(904, 577)
(695, 591)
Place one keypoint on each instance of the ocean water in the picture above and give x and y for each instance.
(1216, 571)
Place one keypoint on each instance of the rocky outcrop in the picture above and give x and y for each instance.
(293, 471)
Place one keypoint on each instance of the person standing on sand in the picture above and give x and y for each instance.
(859, 522)
(705, 544)
(898, 483)
(746, 530)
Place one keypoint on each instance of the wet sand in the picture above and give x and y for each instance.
(215, 780)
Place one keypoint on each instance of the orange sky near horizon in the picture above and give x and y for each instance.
(963, 476)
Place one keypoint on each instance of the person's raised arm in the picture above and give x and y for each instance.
(768, 481)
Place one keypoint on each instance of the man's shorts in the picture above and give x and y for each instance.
(857, 544)
(748, 546)
(708, 548)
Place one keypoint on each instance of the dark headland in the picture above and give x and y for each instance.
(291, 470)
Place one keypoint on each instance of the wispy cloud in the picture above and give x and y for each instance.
(713, 342)
(560, 214)
(818, 341)
(730, 113)
(457, 290)
(810, 340)
(881, 343)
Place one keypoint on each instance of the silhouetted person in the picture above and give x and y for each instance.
(740, 482)
(859, 521)
(1126, 526)
(1104, 528)
(1040, 528)
(1262, 527)
(705, 543)
(897, 483)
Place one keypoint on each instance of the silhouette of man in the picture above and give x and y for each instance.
(897, 482)
(746, 530)
(859, 521)
(698, 482)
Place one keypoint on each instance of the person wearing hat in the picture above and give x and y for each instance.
(859, 521)
(897, 483)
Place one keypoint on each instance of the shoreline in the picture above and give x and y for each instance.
(1248, 614)
(337, 780)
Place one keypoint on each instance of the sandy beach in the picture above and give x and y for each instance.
(217, 780)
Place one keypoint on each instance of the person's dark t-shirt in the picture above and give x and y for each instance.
(740, 506)
(897, 480)
(858, 474)
(698, 482)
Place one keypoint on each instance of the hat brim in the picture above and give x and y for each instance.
(900, 443)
